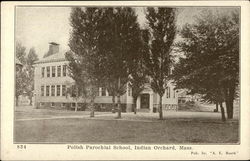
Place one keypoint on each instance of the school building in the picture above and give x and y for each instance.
(52, 80)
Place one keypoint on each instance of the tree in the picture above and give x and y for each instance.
(120, 44)
(20, 52)
(25, 76)
(138, 76)
(76, 91)
(210, 65)
(137, 80)
(21, 75)
(84, 60)
(31, 58)
(110, 84)
(162, 29)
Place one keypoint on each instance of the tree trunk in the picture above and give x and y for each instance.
(92, 108)
(119, 99)
(113, 101)
(134, 107)
(160, 109)
(119, 106)
(76, 106)
(216, 109)
(226, 93)
(231, 102)
(30, 98)
(16, 100)
(222, 112)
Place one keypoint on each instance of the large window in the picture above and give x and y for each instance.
(47, 91)
(43, 71)
(52, 90)
(58, 90)
(102, 91)
(53, 71)
(63, 90)
(129, 91)
(59, 71)
(73, 91)
(168, 92)
(64, 70)
(42, 90)
(48, 71)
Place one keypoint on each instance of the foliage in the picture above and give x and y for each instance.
(162, 29)
(210, 65)
(138, 77)
(120, 45)
(84, 58)
(25, 76)
(20, 52)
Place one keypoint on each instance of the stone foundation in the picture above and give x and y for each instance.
(102, 107)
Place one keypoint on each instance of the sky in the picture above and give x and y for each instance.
(37, 26)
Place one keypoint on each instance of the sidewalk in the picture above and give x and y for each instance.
(29, 114)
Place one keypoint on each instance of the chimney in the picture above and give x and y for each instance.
(53, 48)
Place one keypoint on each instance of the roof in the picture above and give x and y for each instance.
(53, 43)
(60, 56)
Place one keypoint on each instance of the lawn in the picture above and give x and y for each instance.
(87, 130)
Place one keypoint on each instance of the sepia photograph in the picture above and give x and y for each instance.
(161, 75)
(125, 80)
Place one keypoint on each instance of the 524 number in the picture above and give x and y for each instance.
(21, 146)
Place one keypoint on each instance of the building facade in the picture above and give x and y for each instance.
(52, 81)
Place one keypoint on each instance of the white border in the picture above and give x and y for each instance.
(9, 150)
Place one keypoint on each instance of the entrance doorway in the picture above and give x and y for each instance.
(145, 101)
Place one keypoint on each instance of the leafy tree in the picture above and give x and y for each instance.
(84, 60)
(162, 29)
(110, 84)
(76, 92)
(25, 76)
(20, 52)
(210, 65)
(119, 42)
(20, 74)
(138, 76)
(30, 59)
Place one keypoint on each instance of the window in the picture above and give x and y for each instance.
(64, 70)
(63, 104)
(43, 71)
(41, 104)
(58, 90)
(48, 71)
(73, 91)
(108, 94)
(102, 91)
(63, 90)
(167, 92)
(52, 104)
(47, 90)
(42, 90)
(129, 91)
(73, 104)
(59, 71)
(53, 71)
(52, 90)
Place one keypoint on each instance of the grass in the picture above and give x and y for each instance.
(82, 130)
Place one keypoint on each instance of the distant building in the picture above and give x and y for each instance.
(52, 81)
